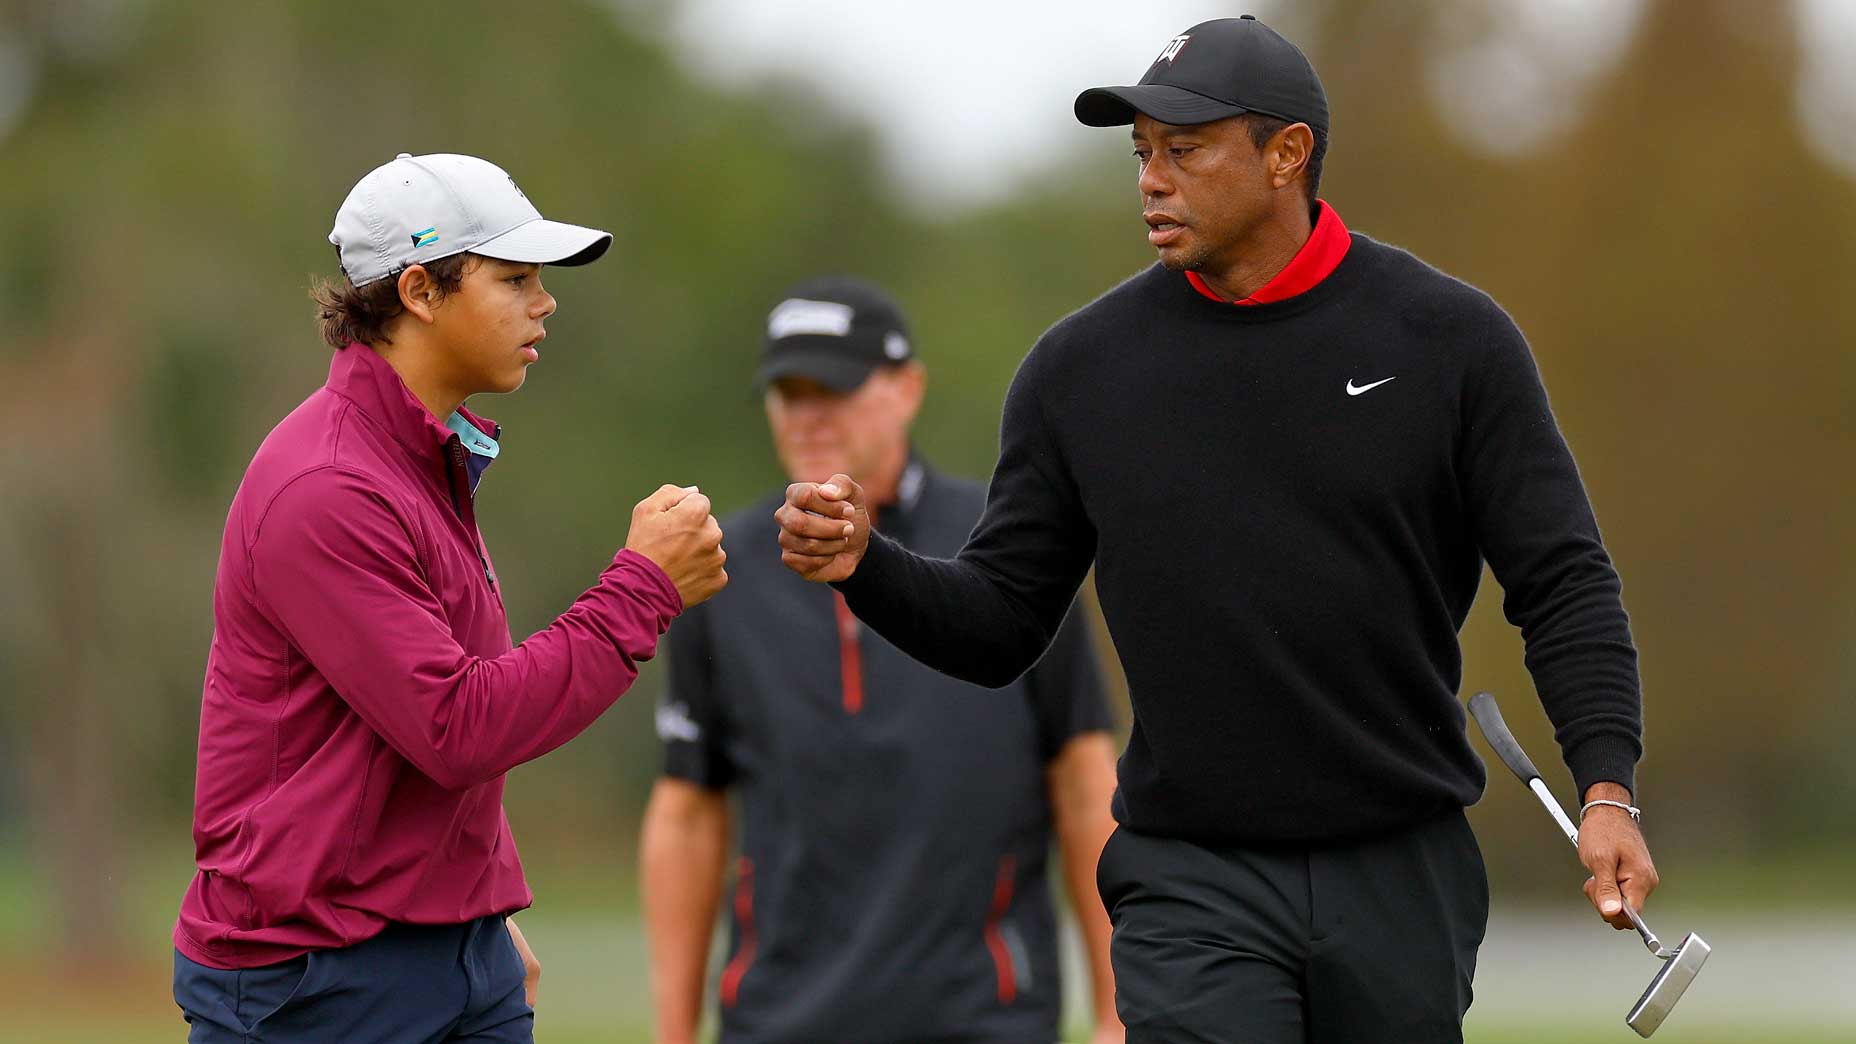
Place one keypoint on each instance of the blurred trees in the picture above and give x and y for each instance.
(1680, 262)
(1678, 259)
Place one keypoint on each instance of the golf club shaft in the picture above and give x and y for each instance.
(1553, 809)
(1489, 718)
(1649, 937)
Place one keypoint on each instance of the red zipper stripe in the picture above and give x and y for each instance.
(995, 940)
(850, 656)
(744, 917)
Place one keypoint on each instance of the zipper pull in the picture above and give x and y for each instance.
(487, 575)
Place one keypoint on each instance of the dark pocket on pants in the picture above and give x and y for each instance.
(264, 992)
(239, 1000)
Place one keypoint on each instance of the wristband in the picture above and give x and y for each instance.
(1636, 814)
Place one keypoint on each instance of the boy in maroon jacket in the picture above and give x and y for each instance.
(362, 697)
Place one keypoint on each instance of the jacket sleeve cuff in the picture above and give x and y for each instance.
(1605, 759)
(656, 588)
(869, 574)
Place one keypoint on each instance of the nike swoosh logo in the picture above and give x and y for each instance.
(1362, 389)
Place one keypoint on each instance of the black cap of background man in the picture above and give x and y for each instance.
(1224, 67)
(835, 330)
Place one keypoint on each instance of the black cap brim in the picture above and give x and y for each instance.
(831, 369)
(1116, 106)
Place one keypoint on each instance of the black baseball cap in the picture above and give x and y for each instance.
(835, 330)
(1224, 67)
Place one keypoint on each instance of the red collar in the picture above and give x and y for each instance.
(1327, 244)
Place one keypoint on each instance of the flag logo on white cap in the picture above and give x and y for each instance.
(426, 237)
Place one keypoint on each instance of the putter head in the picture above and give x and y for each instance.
(1666, 989)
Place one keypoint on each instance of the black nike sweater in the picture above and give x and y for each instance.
(1284, 558)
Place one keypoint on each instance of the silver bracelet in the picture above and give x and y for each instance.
(1636, 814)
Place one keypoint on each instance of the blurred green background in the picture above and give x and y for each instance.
(1678, 252)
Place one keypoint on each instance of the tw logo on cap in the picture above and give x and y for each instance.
(1172, 49)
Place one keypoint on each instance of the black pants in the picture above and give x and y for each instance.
(410, 984)
(1361, 943)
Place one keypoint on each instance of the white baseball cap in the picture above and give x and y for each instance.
(421, 208)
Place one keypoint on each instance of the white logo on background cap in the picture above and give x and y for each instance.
(895, 346)
(799, 316)
(1172, 49)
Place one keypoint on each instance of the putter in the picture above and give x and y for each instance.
(1681, 964)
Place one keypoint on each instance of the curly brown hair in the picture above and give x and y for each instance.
(348, 313)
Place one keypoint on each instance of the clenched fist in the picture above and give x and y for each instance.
(1611, 846)
(673, 527)
(824, 528)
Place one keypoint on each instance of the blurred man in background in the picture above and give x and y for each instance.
(362, 698)
(895, 822)
(1288, 451)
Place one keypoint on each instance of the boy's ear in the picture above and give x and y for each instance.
(419, 293)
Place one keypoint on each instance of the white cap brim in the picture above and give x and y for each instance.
(544, 242)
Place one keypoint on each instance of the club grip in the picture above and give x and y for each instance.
(1489, 717)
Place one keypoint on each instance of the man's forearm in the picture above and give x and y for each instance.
(1079, 871)
(952, 614)
(1082, 786)
(986, 615)
(682, 857)
(1534, 524)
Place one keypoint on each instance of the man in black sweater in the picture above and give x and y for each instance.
(1287, 450)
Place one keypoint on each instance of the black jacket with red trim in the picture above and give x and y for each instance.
(893, 883)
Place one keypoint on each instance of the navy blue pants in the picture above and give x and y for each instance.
(1371, 940)
(411, 984)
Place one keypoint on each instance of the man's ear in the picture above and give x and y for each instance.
(419, 293)
(1287, 153)
(911, 387)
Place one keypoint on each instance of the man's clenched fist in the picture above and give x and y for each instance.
(673, 527)
(824, 528)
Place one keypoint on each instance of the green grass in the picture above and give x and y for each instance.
(585, 927)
